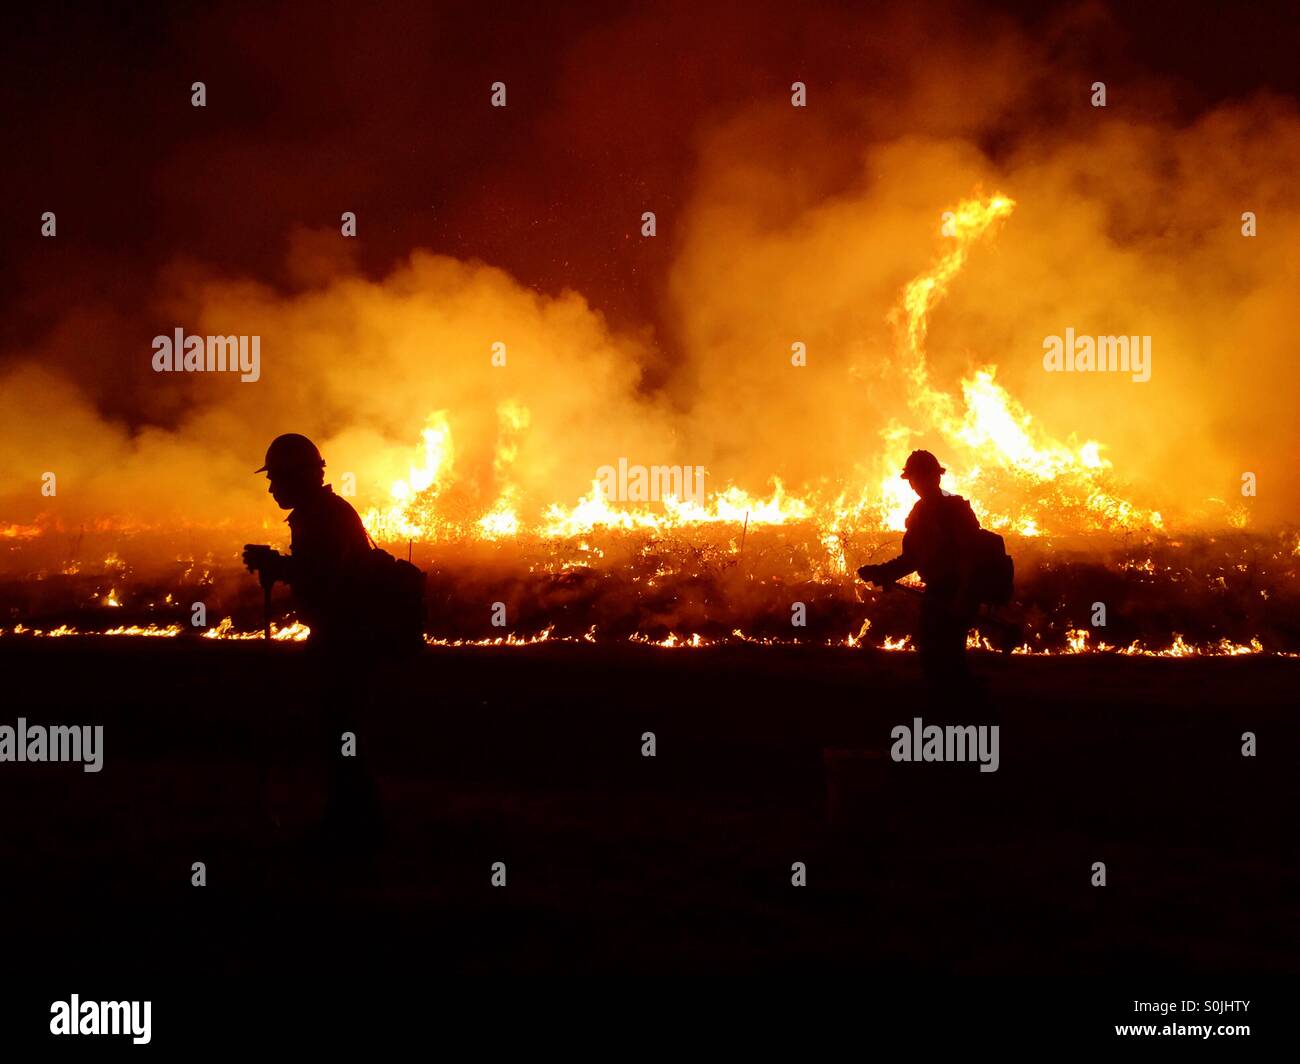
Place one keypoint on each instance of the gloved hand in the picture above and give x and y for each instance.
(870, 573)
(263, 560)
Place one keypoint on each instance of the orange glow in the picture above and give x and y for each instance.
(993, 446)
(1078, 640)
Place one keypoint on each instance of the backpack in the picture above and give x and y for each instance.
(390, 600)
(992, 572)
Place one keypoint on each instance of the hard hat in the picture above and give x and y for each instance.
(921, 462)
(291, 451)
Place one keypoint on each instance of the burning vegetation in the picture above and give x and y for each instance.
(1232, 593)
(694, 568)
(1018, 477)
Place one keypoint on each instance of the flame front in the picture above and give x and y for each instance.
(1078, 641)
(1017, 476)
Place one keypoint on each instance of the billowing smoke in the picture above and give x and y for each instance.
(777, 225)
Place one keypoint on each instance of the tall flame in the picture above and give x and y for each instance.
(1017, 476)
(993, 437)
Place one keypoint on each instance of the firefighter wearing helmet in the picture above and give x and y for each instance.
(327, 538)
(328, 547)
(938, 545)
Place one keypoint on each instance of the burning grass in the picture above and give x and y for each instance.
(690, 574)
(1234, 593)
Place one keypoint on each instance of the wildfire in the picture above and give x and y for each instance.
(1018, 477)
(145, 630)
(1078, 641)
(995, 442)
(294, 632)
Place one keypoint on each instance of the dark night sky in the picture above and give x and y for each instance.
(313, 110)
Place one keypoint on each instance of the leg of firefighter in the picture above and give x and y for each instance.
(352, 803)
(941, 641)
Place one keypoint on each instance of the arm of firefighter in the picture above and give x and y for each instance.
(323, 557)
(898, 567)
(894, 570)
(287, 568)
(307, 565)
(265, 561)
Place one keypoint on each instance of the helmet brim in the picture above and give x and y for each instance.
(291, 467)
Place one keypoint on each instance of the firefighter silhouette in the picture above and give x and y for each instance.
(328, 550)
(941, 545)
(328, 542)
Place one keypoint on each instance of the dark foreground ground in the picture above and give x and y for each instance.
(676, 864)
